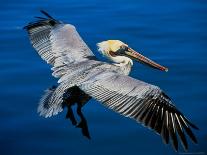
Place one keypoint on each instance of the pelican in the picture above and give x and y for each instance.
(82, 77)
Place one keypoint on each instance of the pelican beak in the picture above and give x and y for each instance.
(137, 56)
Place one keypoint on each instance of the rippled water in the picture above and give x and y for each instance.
(174, 33)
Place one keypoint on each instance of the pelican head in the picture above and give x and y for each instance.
(121, 53)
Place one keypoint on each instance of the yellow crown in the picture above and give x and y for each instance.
(114, 45)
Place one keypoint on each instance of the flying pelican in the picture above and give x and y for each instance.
(82, 77)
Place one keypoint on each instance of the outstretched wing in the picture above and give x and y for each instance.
(61, 46)
(143, 102)
(57, 43)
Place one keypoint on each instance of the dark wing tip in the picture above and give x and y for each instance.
(46, 14)
(42, 21)
(190, 123)
(186, 124)
(40, 17)
(167, 121)
(172, 131)
(194, 126)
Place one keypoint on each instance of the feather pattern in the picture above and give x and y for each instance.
(142, 102)
(44, 108)
(61, 46)
(57, 43)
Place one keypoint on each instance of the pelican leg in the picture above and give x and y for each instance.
(83, 123)
(82, 99)
(70, 115)
(72, 96)
(69, 100)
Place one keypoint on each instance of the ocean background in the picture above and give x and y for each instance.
(173, 33)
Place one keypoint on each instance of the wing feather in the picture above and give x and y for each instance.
(60, 45)
(181, 132)
(142, 102)
(57, 43)
(172, 132)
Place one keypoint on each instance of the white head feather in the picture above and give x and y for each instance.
(105, 47)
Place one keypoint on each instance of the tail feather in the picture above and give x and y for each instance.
(47, 110)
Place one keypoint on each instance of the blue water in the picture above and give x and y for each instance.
(173, 33)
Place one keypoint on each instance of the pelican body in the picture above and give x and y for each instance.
(82, 77)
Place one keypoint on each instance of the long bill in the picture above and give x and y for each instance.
(137, 56)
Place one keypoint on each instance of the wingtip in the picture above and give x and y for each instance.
(40, 18)
(191, 124)
(46, 14)
(194, 126)
(175, 148)
(43, 11)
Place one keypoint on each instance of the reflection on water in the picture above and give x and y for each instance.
(172, 33)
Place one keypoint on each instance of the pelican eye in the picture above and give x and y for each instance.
(124, 47)
(122, 50)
